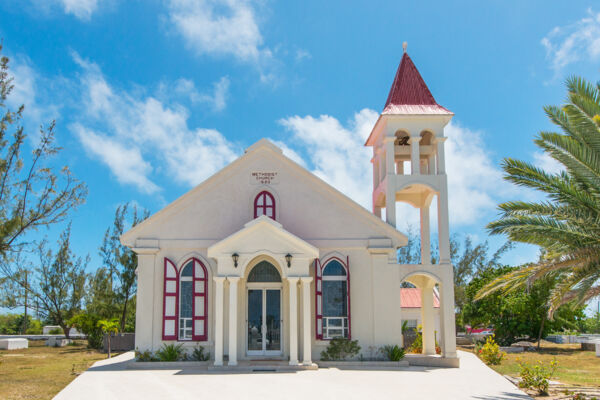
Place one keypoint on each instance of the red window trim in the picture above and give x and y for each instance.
(265, 193)
(174, 318)
(319, 267)
(204, 317)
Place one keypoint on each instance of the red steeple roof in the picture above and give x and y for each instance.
(409, 93)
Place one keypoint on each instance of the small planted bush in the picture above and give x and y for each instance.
(170, 352)
(490, 352)
(536, 376)
(198, 354)
(393, 353)
(417, 346)
(340, 349)
(55, 331)
(144, 356)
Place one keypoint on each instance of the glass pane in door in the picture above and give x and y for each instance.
(273, 334)
(255, 310)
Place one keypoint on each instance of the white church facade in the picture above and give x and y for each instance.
(264, 260)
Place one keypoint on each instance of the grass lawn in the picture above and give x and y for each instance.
(575, 366)
(40, 372)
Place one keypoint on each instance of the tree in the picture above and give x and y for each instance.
(109, 327)
(120, 262)
(32, 194)
(518, 313)
(467, 259)
(567, 224)
(56, 283)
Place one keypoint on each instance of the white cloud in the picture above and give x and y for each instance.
(145, 130)
(337, 153)
(475, 183)
(82, 9)
(338, 156)
(125, 162)
(575, 42)
(213, 27)
(302, 54)
(289, 153)
(217, 99)
(544, 161)
(33, 91)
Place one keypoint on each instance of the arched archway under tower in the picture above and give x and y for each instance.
(433, 288)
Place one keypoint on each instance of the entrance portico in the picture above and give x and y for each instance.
(266, 305)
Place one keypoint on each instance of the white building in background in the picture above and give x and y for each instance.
(266, 260)
(412, 310)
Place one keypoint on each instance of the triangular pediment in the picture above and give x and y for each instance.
(263, 234)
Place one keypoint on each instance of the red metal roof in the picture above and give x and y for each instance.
(411, 298)
(409, 94)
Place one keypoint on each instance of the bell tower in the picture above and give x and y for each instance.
(408, 155)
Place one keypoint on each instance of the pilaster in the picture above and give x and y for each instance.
(233, 292)
(306, 339)
(293, 293)
(219, 280)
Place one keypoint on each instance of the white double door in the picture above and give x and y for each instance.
(264, 320)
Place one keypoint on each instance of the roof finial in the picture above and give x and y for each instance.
(404, 46)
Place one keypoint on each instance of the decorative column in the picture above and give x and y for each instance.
(443, 222)
(219, 319)
(427, 320)
(233, 292)
(441, 162)
(425, 236)
(415, 162)
(447, 319)
(390, 190)
(376, 178)
(306, 339)
(293, 282)
(400, 168)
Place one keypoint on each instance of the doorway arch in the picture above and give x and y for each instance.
(264, 314)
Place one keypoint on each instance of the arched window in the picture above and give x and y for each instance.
(185, 305)
(333, 299)
(264, 272)
(264, 204)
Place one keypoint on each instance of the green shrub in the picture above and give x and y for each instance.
(417, 345)
(170, 352)
(490, 352)
(144, 356)
(88, 325)
(55, 331)
(393, 353)
(340, 349)
(536, 376)
(199, 355)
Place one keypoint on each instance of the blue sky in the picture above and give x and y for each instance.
(152, 97)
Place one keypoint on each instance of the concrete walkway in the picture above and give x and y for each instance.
(109, 379)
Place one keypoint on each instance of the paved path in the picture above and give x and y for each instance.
(109, 379)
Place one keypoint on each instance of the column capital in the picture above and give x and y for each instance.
(233, 279)
(293, 279)
(389, 139)
(414, 139)
(439, 139)
(306, 279)
(219, 279)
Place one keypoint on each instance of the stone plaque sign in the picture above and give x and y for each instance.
(264, 178)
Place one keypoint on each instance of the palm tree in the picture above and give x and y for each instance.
(109, 327)
(566, 224)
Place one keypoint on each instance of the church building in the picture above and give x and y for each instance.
(264, 260)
